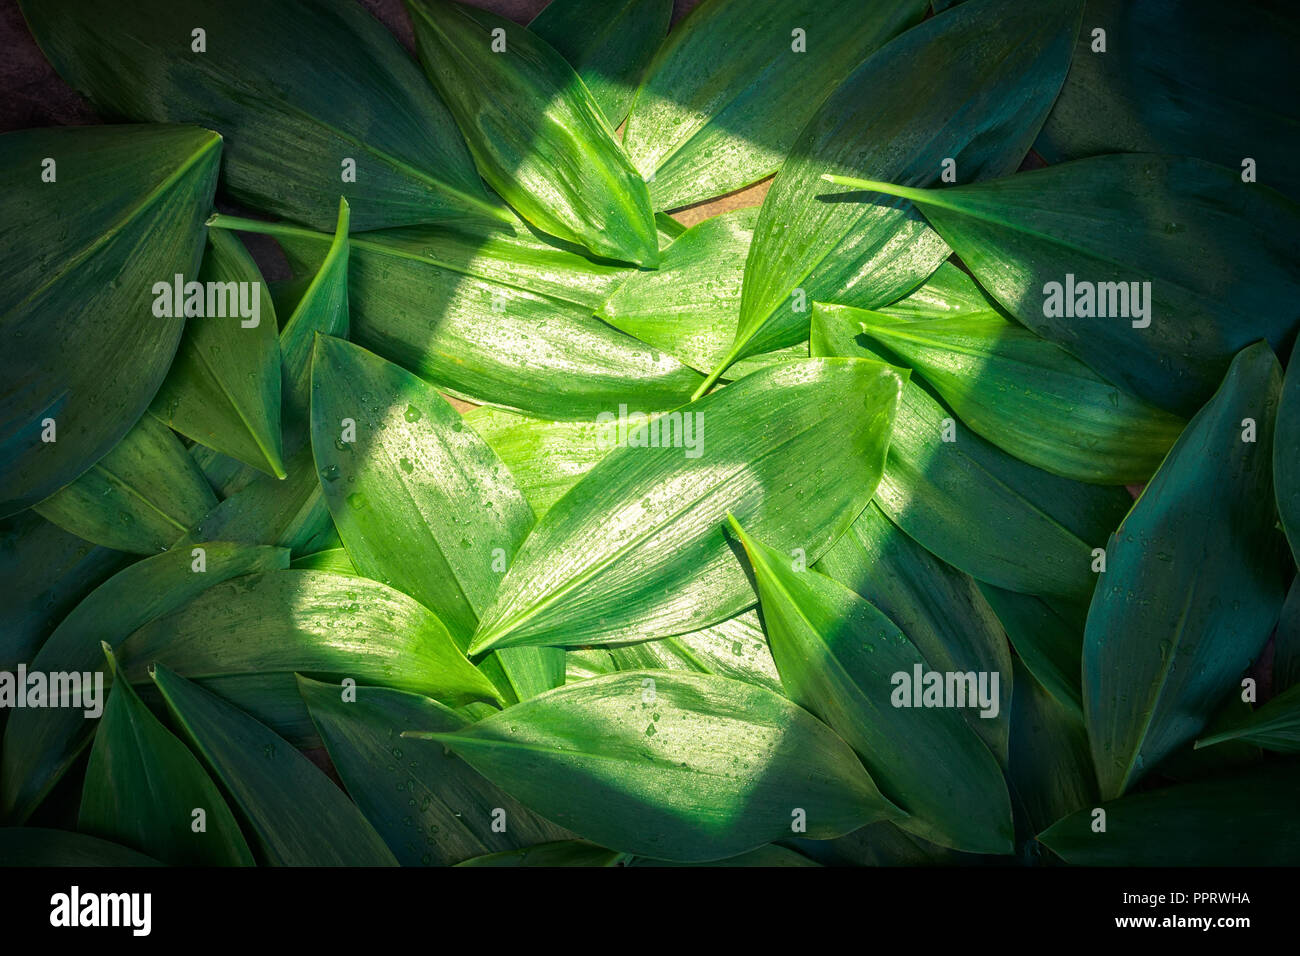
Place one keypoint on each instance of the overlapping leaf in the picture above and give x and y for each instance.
(144, 789)
(973, 86)
(498, 317)
(841, 658)
(125, 210)
(636, 549)
(140, 497)
(1162, 85)
(1030, 397)
(40, 745)
(299, 89)
(975, 507)
(536, 135)
(608, 44)
(673, 766)
(457, 814)
(1193, 584)
(725, 97)
(298, 816)
(223, 389)
(1201, 265)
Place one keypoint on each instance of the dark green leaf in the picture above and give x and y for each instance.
(143, 788)
(975, 507)
(1274, 726)
(40, 745)
(140, 497)
(1048, 638)
(1163, 85)
(973, 86)
(223, 389)
(1193, 584)
(1030, 397)
(536, 134)
(46, 572)
(456, 811)
(939, 609)
(1286, 642)
(673, 766)
(297, 87)
(607, 43)
(1211, 256)
(1286, 454)
(85, 350)
(849, 664)
(37, 846)
(299, 817)
(1050, 769)
(636, 549)
(726, 95)
(1243, 820)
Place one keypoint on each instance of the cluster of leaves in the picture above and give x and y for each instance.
(511, 643)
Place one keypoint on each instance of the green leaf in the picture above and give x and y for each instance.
(455, 808)
(849, 664)
(309, 622)
(143, 787)
(607, 44)
(289, 513)
(40, 745)
(1286, 642)
(46, 572)
(1211, 256)
(975, 507)
(420, 501)
(939, 609)
(1048, 638)
(1030, 397)
(1286, 454)
(37, 846)
(725, 97)
(546, 458)
(1163, 643)
(87, 353)
(511, 324)
(636, 549)
(1245, 819)
(973, 86)
(736, 649)
(1274, 726)
(536, 135)
(332, 559)
(297, 87)
(223, 389)
(299, 817)
(1050, 768)
(689, 305)
(948, 292)
(561, 853)
(323, 309)
(1173, 91)
(672, 766)
(140, 497)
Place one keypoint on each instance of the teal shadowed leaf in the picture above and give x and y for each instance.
(124, 210)
(316, 98)
(1193, 583)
